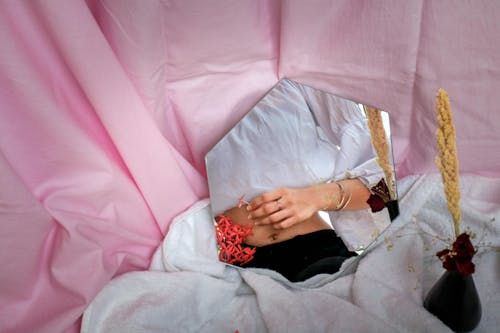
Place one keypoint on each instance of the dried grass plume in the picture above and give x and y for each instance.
(447, 160)
(379, 142)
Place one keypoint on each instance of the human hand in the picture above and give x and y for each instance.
(284, 207)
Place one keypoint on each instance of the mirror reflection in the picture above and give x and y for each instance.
(304, 181)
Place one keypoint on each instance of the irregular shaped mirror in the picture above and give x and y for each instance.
(302, 182)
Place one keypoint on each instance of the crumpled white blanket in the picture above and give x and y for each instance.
(188, 290)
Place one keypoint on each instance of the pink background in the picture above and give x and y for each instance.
(107, 109)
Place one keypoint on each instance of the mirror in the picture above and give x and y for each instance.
(304, 181)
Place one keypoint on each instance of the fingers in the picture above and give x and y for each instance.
(273, 208)
(265, 198)
(280, 220)
(266, 209)
(275, 217)
(286, 223)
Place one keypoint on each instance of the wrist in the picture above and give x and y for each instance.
(336, 197)
(326, 196)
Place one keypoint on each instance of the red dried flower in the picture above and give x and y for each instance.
(459, 257)
(376, 203)
(381, 190)
(379, 196)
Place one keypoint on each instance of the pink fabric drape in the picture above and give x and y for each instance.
(107, 109)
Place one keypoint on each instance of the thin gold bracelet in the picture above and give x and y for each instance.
(330, 198)
(342, 196)
(347, 201)
(342, 201)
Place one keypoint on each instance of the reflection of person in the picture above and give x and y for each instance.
(298, 151)
(289, 235)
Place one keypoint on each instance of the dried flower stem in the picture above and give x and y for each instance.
(379, 142)
(447, 160)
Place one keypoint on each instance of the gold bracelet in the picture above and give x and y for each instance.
(347, 201)
(330, 197)
(342, 201)
(342, 196)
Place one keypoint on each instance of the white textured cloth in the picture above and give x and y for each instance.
(189, 290)
(297, 136)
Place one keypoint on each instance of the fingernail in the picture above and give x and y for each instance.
(248, 208)
(249, 217)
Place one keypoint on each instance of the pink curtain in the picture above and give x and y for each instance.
(107, 109)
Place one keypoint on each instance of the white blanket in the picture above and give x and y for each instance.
(188, 290)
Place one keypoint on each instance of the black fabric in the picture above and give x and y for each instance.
(303, 256)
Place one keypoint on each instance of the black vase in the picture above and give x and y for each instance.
(393, 208)
(454, 300)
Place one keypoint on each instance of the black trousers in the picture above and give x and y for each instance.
(303, 256)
